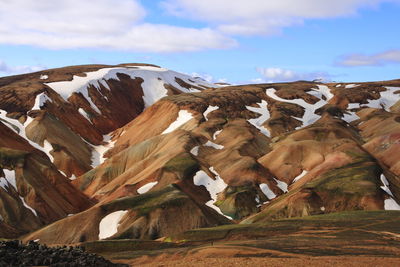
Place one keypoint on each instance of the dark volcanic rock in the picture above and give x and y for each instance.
(14, 253)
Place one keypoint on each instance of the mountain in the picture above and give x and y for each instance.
(55, 126)
(136, 151)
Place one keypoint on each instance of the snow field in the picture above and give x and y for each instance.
(154, 79)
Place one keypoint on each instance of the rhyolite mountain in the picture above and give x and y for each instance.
(136, 151)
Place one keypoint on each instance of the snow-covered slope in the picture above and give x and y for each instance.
(154, 81)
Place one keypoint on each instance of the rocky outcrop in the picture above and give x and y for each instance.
(13, 253)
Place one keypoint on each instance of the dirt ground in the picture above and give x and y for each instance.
(351, 261)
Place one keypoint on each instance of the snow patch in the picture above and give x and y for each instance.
(19, 128)
(209, 110)
(214, 145)
(4, 183)
(325, 91)
(27, 206)
(309, 116)
(40, 100)
(214, 187)
(195, 151)
(265, 115)
(385, 186)
(183, 117)
(216, 134)
(267, 191)
(109, 224)
(146, 187)
(84, 114)
(47, 147)
(80, 84)
(282, 185)
(353, 105)
(9, 179)
(388, 98)
(352, 85)
(44, 77)
(350, 116)
(99, 151)
(301, 175)
(390, 203)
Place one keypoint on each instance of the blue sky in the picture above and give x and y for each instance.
(235, 41)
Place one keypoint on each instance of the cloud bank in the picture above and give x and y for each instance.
(378, 59)
(286, 75)
(107, 24)
(122, 25)
(260, 17)
(6, 69)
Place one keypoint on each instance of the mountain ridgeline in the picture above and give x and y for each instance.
(136, 151)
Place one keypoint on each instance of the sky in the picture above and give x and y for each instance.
(239, 42)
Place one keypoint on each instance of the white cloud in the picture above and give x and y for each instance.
(121, 25)
(244, 17)
(6, 69)
(286, 75)
(209, 78)
(101, 24)
(383, 58)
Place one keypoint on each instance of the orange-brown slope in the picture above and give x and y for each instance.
(251, 152)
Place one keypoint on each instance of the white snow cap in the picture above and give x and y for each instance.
(154, 79)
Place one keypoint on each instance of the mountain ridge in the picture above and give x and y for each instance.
(200, 154)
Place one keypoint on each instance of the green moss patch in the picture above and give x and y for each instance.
(183, 165)
(145, 203)
(359, 178)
